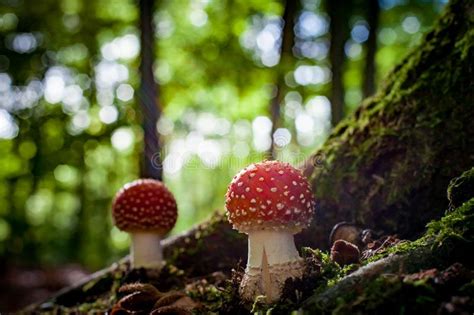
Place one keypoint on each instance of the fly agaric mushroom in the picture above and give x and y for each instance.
(147, 210)
(270, 201)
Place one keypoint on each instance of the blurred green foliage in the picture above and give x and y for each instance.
(70, 133)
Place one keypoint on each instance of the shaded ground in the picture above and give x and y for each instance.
(22, 286)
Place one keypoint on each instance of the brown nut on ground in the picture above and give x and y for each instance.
(345, 231)
(345, 253)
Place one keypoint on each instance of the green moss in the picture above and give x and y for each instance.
(456, 225)
(445, 241)
(423, 292)
(461, 188)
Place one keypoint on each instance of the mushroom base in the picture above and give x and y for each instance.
(253, 283)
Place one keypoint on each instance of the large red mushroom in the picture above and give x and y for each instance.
(147, 210)
(270, 201)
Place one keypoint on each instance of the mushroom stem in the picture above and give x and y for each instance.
(272, 258)
(279, 247)
(146, 250)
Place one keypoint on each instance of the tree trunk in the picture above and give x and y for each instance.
(339, 13)
(286, 55)
(151, 165)
(373, 12)
(386, 167)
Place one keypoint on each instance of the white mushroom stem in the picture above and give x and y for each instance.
(146, 250)
(272, 258)
(279, 248)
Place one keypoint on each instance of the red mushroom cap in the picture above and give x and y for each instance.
(145, 205)
(270, 195)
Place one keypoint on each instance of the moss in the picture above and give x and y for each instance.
(446, 241)
(461, 188)
(456, 225)
(218, 296)
(424, 292)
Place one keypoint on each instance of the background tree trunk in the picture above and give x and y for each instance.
(148, 94)
(339, 13)
(386, 167)
(373, 12)
(286, 56)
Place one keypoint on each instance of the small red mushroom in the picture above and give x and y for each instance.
(270, 201)
(147, 210)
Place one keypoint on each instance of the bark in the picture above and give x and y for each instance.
(386, 167)
(339, 13)
(373, 12)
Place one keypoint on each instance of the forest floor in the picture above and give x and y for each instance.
(24, 285)
(433, 274)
